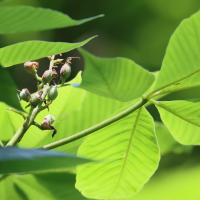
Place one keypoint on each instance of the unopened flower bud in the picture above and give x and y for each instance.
(52, 93)
(35, 99)
(46, 124)
(25, 95)
(50, 119)
(31, 67)
(49, 75)
(65, 72)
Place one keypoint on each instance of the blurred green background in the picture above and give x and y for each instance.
(136, 29)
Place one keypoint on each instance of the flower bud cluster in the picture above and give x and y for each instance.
(51, 93)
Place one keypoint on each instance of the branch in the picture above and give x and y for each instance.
(21, 131)
(96, 127)
(36, 124)
(18, 112)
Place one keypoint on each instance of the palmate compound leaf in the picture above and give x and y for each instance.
(182, 58)
(182, 118)
(26, 18)
(130, 155)
(116, 78)
(16, 160)
(32, 50)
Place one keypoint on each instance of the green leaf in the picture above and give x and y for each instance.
(32, 50)
(173, 183)
(8, 90)
(181, 64)
(8, 189)
(6, 129)
(182, 119)
(167, 143)
(16, 160)
(45, 186)
(116, 78)
(131, 155)
(26, 18)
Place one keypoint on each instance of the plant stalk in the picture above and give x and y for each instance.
(96, 127)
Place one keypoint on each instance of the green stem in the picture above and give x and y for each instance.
(36, 124)
(38, 78)
(21, 131)
(151, 93)
(18, 112)
(65, 84)
(96, 127)
(174, 90)
(51, 62)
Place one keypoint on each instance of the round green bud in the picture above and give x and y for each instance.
(35, 99)
(65, 72)
(49, 75)
(31, 67)
(52, 93)
(50, 119)
(25, 95)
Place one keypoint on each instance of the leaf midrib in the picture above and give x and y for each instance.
(176, 114)
(127, 151)
(173, 82)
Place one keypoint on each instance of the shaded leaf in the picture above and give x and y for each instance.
(26, 18)
(32, 50)
(8, 90)
(45, 186)
(131, 155)
(6, 129)
(116, 78)
(16, 160)
(182, 118)
(8, 188)
(182, 57)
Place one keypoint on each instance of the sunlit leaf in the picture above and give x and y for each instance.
(26, 18)
(182, 57)
(116, 78)
(130, 152)
(32, 50)
(167, 143)
(182, 119)
(177, 182)
(16, 160)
